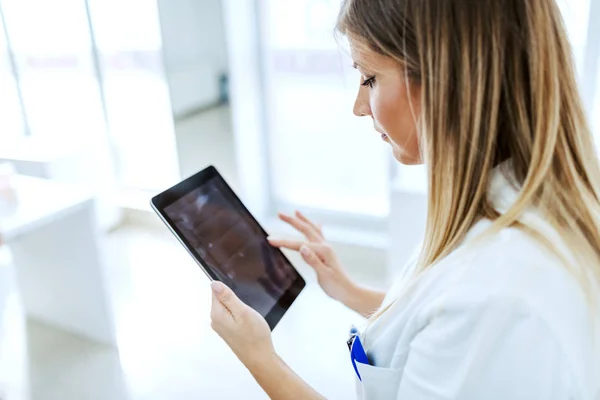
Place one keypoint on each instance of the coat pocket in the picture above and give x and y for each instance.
(378, 383)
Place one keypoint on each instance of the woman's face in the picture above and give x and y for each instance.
(384, 96)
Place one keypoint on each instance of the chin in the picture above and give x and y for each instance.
(406, 159)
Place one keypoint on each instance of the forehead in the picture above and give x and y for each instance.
(364, 57)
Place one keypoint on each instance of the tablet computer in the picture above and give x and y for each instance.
(228, 243)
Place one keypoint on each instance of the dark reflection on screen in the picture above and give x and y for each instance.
(232, 245)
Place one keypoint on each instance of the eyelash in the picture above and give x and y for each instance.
(369, 82)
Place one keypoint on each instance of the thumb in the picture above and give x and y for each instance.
(227, 298)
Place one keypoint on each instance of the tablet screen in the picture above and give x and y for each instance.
(232, 244)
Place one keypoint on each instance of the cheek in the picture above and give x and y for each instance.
(392, 113)
(385, 106)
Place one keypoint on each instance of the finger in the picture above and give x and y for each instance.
(304, 219)
(304, 228)
(312, 258)
(324, 252)
(287, 244)
(228, 299)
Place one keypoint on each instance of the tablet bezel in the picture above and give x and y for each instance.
(171, 195)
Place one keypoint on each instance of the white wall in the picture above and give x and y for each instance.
(194, 51)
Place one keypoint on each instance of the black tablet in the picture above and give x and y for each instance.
(228, 243)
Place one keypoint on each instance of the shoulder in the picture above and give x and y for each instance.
(513, 268)
(512, 264)
(512, 290)
(497, 346)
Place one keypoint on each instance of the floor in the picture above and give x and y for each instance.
(167, 350)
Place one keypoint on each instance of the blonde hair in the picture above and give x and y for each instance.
(497, 83)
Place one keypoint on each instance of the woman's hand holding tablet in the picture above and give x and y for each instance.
(229, 244)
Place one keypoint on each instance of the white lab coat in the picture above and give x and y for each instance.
(502, 319)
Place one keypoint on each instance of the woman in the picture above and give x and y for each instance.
(502, 301)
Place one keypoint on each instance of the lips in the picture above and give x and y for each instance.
(383, 135)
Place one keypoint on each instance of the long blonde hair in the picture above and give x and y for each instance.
(497, 83)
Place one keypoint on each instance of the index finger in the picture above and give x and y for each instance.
(285, 243)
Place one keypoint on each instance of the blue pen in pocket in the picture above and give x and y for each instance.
(357, 351)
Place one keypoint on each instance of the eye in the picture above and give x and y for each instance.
(369, 82)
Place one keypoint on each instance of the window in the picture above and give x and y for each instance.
(595, 115)
(52, 52)
(11, 113)
(135, 90)
(70, 69)
(590, 71)
(576, 16)
(327, 159)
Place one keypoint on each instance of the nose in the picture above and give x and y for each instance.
(361, 104)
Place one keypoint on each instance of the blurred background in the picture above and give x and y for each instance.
(105, 103)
